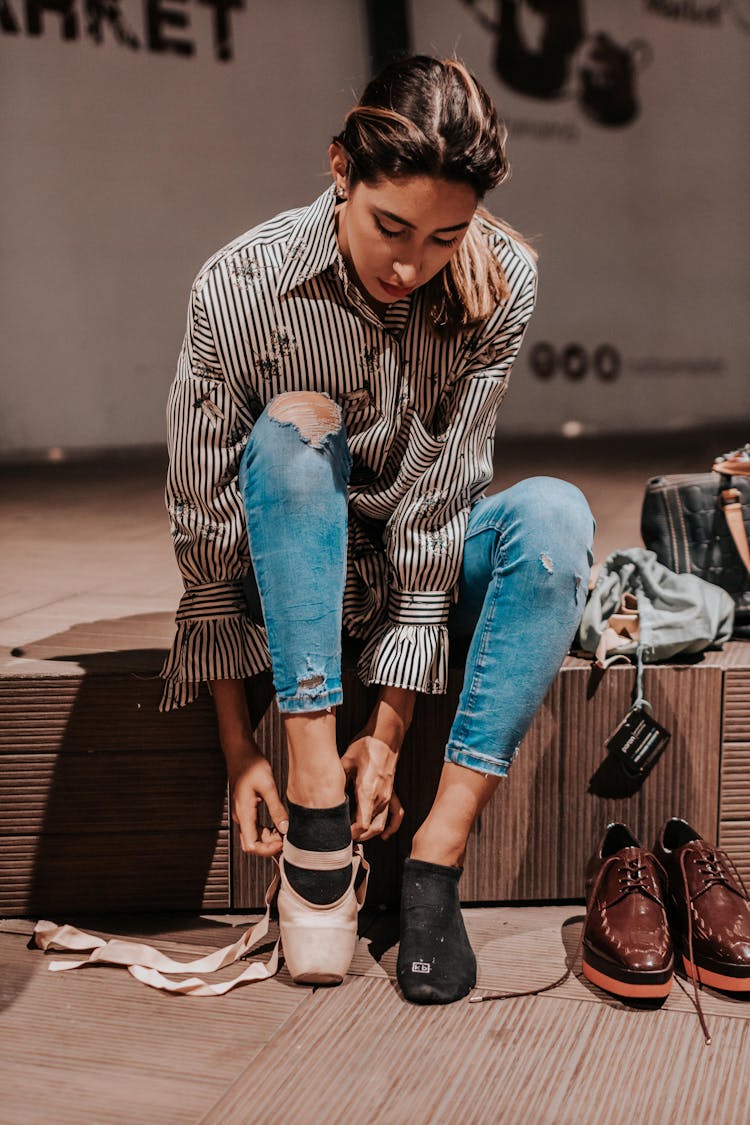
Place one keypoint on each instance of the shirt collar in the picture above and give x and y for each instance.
(312, 247)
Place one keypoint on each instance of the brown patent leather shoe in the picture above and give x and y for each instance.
(627, 948)
(709, 908)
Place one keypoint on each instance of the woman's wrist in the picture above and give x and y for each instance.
(233, 717)
(391, 717)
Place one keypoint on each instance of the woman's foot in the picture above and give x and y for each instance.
(324, 831)
(318, 904)
(436, 964)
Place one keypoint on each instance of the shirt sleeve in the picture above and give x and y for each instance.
(425, 535)
(215, 638)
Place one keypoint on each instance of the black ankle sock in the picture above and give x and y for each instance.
(436, 963)
(319, 830)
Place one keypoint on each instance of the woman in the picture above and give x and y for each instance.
(331, 434)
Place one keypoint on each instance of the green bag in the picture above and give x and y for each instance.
(639, 608)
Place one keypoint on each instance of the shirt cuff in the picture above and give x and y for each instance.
(215, 640)
(419, 607)
(407, 656)
(212, 599)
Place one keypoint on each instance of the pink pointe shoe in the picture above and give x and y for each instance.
(319, 941)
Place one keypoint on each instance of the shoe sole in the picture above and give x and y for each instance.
(739, 983)
(632, 985)
(318, 978)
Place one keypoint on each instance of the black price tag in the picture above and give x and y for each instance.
(638, 741)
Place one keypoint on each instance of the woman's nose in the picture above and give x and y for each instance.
(406, 272)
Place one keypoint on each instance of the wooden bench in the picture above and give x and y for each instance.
(106, 805)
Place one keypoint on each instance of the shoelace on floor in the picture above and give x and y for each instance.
(476, 998)
(712, 868)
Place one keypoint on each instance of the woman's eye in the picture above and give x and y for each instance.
(446, 242)
(385, 231)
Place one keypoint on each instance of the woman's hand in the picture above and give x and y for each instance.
(250, 782)
(370, 762)
(250, 778)
(371, 765)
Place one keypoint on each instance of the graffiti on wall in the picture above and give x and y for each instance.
(545, 49)
(165, 25)
(565, 60)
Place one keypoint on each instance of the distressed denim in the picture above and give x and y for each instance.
(522, 589)
(296, 497)
(522, 592)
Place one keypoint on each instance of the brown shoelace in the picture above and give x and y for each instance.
(631, 878)
(712, 865)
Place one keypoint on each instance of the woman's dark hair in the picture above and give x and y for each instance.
(425, 117)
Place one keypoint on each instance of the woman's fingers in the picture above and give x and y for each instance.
(386, 821)
(396, 810)
(248, 821)
(269, 844)
(255, 785)
(270, 794)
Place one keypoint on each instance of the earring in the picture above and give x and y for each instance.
(340, 193)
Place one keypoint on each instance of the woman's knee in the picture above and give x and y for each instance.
(554, 523)
(313, 415)
(296, 427)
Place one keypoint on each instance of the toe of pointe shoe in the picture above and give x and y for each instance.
(318, 941)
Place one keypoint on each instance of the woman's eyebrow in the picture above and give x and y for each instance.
(406, 223)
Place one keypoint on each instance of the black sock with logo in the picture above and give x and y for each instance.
(436, 963)
(319, 830)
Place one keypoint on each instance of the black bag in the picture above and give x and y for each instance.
(698, 523)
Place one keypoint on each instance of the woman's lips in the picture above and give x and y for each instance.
(394, 291)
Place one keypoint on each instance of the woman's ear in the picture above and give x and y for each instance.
(339, 167)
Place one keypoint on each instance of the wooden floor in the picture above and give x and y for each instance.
(96, 1046)
(89, 582)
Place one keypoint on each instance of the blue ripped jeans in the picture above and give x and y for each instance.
(522, 588)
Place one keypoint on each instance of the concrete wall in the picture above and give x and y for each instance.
(643, 227)
(123, 167)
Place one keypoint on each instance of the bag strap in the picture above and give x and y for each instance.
(731, 502)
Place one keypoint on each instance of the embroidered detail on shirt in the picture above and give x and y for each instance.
(209, 408)
(182, 510)
(436, 542)
(295, 250)
(201, 370)
(430, 502)
(282, 345)
(369, 361)
(237, 436)
(245, 272)
(212, 531)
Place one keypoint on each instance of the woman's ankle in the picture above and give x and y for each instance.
(319, 789)
(431, 846)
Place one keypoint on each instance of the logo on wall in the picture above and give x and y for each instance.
(574, 361)
(564, 61)
(705, 13)
(164, 31)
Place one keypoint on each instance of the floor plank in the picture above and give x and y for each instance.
(528, 947)
(359, 1053)
(95, 1045)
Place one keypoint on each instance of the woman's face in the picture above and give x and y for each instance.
(397, 234)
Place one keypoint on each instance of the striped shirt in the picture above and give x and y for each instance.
(274, 311)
